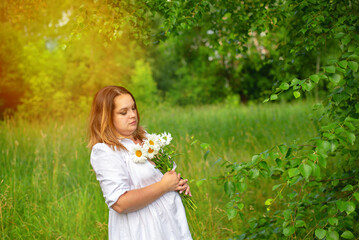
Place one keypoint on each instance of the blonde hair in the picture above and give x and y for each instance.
(101, 128)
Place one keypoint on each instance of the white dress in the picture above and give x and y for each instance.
(165, 218)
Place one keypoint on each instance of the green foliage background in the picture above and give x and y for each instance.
(55, 55)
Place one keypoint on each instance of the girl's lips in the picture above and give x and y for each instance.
(133, 123)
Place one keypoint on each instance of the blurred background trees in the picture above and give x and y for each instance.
(56, 55)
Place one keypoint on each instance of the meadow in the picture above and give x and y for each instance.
(48, 189)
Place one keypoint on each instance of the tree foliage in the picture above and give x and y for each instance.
(246, 46)
(60, 53)
(316, 191)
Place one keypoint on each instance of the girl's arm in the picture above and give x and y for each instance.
(136, 199)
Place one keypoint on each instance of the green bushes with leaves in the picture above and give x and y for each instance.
(315, 184)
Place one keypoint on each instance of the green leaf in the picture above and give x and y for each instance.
(343, 64)
(279, 162)
(339, 130)
(335, 79)
(204, 146)
(315, 78)
(288, 231)
(242, 187)
(323, 147)
(296, 94)
(241, 237)
(255, 159)
(315, 169)
(300, 223)
(296, 81)
(346, 39)
(356, 195)
(268, 201)
(264, 165)
(284, 86)
(253, 173)
(293, 172)
(320, 233)
(329, 69)
(283, 149)
(350, 126)
(350, 119)
(287, 213)
(350, 137)
(348, 207)
(347, 235)
(276, 186)
(229, 188)
(231, 213)
(308, 86)
(333, 221)
(294, 180)
(305, 170)
(273, 155)
(333, 235)
(341, 70)
(265, 100)
(195, 141)
(292, 195)
(339, 35)
(347, 188)
(274, 97)
(240, 206)
(322, 161)
(354, 56)
(341, 205)
(205, 155)
(353, 66)
(313, 157)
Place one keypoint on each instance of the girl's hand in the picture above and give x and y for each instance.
(184, 187)
(170, 181)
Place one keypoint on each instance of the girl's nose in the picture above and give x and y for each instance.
(133, 113)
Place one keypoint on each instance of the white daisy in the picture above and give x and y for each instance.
(152, 145)
(139, 153)
(166, 138)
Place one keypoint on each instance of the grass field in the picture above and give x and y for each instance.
(49, 191)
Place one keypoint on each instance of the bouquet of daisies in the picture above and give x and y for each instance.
(157, 148)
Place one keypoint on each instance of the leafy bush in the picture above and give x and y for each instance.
(315, 194)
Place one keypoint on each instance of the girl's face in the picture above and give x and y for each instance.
(124, 115)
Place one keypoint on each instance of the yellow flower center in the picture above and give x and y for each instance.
(138, 153)
(150, 150)
(151, 142)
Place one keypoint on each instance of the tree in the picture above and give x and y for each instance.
(60, 54)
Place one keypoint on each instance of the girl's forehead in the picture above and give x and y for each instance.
(123, 101)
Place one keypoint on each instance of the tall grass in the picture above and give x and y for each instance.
(49, 191)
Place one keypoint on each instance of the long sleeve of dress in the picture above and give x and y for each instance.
(111, 172)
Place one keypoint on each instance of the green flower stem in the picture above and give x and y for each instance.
(164, 163)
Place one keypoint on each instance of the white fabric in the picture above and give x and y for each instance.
(164, 218)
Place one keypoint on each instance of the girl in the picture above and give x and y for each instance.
(143, 203)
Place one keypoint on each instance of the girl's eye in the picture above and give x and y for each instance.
(133, 108)
(123, 113)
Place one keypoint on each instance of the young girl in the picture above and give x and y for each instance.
(143, 203)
